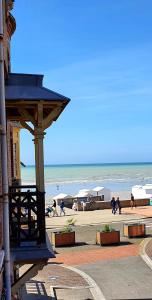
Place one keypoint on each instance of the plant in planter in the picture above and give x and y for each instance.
(107, 228)
(66, 236)
(108, 236)
(71, 222)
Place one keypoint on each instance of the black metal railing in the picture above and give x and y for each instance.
(27, 215)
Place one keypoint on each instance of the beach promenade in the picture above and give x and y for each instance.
(95, 272)
(99, 216)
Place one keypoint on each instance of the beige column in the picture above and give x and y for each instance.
(39, 158)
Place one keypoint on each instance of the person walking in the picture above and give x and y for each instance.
(62, 210)
(83, 204)
(132, 201)
(113, 205)
(118, 205)
(48, 211)
(54, 209)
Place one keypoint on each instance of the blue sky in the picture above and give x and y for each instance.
(99, 54)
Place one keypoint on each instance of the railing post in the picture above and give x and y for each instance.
(41, 216)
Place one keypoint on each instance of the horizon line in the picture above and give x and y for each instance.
(99, 163)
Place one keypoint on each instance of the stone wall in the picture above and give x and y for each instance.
(69, 201)
(97, 205)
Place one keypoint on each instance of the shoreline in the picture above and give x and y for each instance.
(51, 190)
(69, 179)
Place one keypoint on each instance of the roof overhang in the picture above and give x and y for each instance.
(26, 92)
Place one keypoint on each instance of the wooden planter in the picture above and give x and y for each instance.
(134, 230)
(108, 238)
(63, 239)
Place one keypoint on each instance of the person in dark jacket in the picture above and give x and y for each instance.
(62, 210)
(118, 205)
(113, 205)
(54, 209)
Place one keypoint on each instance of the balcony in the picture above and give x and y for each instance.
(27, 216)
(35, 108)
(28, 239)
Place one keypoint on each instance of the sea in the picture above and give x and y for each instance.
(71, 178)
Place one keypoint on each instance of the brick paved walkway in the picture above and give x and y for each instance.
(55, 274)
(145, 211)
(90, 256)
(52, 275)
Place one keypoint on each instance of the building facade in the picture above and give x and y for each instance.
(9, 26)
(28, 105)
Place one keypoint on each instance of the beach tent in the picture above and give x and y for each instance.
(83, 194)
(68, 199)
(102, 191)
(62, 196)
(142, 191)
(98, 189)
(85, 191)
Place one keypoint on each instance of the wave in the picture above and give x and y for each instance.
(92, 180)
(70, 179)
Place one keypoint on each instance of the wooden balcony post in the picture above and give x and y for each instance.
(39, 158)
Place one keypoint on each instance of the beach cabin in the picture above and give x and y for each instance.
(103, 192)
(68, 199)
(142, 192)
(82, 198)
(83, 195)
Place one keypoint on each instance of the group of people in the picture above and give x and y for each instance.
(53, 209)
(116, 206)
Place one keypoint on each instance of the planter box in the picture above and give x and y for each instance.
(108, 238)
(134, 230)
(63, 239)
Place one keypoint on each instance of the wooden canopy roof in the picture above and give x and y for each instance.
(26, 98)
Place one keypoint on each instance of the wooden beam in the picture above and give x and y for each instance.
(34, 102)
(14, 118)
(50, 118)
(24, 113)
(40, 115)
(31, 272)
(26, 126)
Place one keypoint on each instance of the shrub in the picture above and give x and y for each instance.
(71, 222)
(107, 228)
(66, 229)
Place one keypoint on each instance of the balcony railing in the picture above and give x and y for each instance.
(27, 216)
